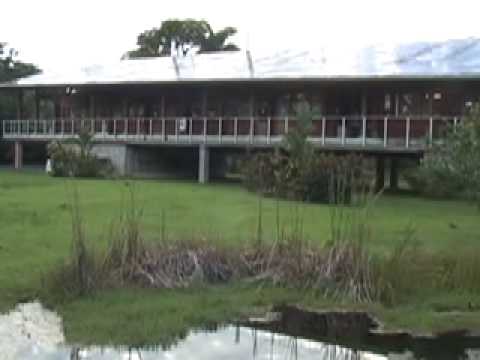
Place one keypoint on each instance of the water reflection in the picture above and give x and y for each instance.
(231, 342)
(237, 342)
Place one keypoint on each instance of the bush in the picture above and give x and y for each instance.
(318, 178)
(296, 171)
(452, 168)
(74, 158)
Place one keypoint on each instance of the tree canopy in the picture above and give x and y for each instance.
(11, 69)
(452, 167)
(184, 34)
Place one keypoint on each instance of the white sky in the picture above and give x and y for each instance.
(63, 33)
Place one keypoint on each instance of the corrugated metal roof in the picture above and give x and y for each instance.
(452, 58)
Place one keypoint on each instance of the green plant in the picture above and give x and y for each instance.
(74, 158)
(296, 171)
(81, 273)
(307, 178)
(451, 168)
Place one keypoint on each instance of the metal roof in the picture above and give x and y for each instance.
(447, 59)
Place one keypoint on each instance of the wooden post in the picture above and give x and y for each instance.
(385, 131)
(162, 106)
(104, 128)
(364, 104)
(220, 129)
(324, 127)
(251, 103)
(407, 132)
(204, 129)
(204, 104)
(251, 129)
(164, 134)
(430, 130)
(364, 130)
(176, 129)
(37, 104)
(235, 129)
(20, 104)
(190, 125)
(397, 104)
(268, 129)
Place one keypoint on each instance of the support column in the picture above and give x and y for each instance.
(380, 176)
(204, 102)
(20, 104)
(91, 107)
(394, 174)
(203, 164)
(18, 154)
(37, 104)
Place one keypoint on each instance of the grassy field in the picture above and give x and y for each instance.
(35, 235)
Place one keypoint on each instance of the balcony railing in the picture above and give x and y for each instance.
(406, 132)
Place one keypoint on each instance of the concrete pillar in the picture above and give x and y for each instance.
(130, 161)
(394, 174)
(37, 104)
(20, 104)
(380, 176)
(203, 164)
(18, 154)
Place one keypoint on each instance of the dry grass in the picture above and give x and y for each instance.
(341, 269)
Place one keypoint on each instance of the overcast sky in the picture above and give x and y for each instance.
(64, 33)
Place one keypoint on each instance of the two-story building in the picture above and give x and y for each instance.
(152, 115)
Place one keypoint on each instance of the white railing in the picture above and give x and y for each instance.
(408, 132)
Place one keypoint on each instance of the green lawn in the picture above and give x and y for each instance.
(35, 233)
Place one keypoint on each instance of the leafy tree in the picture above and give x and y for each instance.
(11, 69)
(452, 168)
(185, 34)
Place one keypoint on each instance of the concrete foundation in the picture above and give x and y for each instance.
(167, 162)
(203, 164)
(118, 154)
(151, 161)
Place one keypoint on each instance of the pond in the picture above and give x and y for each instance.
(32, 332)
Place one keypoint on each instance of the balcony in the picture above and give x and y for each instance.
(412, 133)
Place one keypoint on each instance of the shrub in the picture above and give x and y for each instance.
(296, 171)
(451, 168)
(74, 158)
(316, 178)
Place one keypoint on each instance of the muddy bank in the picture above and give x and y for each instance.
(362, 331)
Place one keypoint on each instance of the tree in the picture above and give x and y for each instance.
(452, 167)
(11, 69)
(184, 34)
